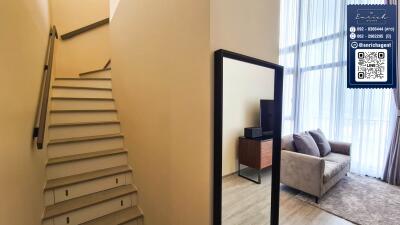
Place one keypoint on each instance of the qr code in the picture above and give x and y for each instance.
(371, 65)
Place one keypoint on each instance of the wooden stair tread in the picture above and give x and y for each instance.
(95, 71)
(84, 123)
(74, 179)
(83, 156)
(87, 138)
(81, 110)
(82, 98)
(87, 200)
(81, 87)
(117, 218)
(82, 78)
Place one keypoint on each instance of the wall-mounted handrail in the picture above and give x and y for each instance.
(85, 29)
(105, 68)
(94, 71)
(40, 125)
(107, 64)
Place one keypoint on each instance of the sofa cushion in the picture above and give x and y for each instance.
(334, 163)
(305, 144)
(322, 142)
(343, 160)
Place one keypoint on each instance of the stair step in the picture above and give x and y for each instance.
(81, 110)
(90, 155)
(118, 218)
(65, 181)
(87, 138)
(87, 200)
(61, 103)
(82, 128)
(94, 71)
(81, 98)
(84, 83)
(81, 87)
(83, 78)
(82, 123)
(71, 115)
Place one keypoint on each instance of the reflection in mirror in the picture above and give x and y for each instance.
(247, 132)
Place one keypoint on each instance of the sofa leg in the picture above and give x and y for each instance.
(316, 200)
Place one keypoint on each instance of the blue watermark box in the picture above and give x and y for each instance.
(371, 46)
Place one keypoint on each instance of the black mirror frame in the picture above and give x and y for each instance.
(218, 118)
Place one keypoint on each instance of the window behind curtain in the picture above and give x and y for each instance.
(313, 52)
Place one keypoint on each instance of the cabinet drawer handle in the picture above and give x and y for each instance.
(66, 192)
(67, 220)
(122, 202)
(116, 180)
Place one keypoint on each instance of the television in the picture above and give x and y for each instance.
(267, 116)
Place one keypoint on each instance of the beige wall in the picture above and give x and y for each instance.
(247, 27)
(85, 52)
(23, 40)
(162, 84)
(244, 85)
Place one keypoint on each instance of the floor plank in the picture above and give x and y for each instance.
(245, 203)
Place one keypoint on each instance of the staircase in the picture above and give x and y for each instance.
(89, 181)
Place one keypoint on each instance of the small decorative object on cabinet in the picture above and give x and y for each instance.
(253, 132)
(255, 153)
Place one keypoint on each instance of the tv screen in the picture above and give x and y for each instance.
(267, 115)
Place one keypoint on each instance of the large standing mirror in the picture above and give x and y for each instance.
(247, 132)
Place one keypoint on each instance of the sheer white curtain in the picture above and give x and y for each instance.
(313, 52)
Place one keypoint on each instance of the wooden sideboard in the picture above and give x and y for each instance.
(254, 153)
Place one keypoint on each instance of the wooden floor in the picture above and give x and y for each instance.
(247, 203)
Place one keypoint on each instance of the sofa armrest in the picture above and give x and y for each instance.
(340, 147)
(303, 172)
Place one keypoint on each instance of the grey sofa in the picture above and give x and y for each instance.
(310, 174)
